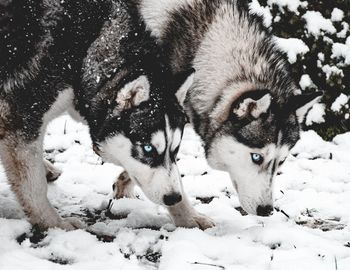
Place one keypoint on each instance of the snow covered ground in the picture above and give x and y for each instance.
(310, 228)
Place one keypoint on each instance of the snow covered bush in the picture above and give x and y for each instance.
(316, 38)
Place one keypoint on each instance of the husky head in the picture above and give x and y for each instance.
(142, 132)
(254, 142)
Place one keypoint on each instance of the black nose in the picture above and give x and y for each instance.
(172, 199)
(264, 210)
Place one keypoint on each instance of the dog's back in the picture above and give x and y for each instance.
(20, 31)
(46, 34)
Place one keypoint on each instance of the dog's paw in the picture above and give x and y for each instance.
(76, 223)
(203, 222)
(70, 224)
(52, 176)
(194, 220)
(52, 173)
(123, 187)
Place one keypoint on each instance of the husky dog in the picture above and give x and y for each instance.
(243, 101)
(96, 59)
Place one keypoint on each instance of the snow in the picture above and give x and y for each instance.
(342, 50)
(339, 103)
(313, 189)
(321, 56)
(256, 8)
(310, 228)
(305, 81)
(337, 15)
(315, 23)
(293, 47)
(344, 31)
(292, 5)
(332, 70)
(316, 114)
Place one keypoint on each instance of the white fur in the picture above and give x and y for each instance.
(216, 61)
(33, 188)
(159, 142)
(184, 215)
(154, 182)
(221, 55)
(252, 181)
(168, 131)
(220, 58)
(156, 13)
(176, 139)
(182, 92)
(64, 101)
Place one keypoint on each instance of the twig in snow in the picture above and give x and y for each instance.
(209, 264)
(65, 128)
(110, 205)
(282, 211)
(336, 262)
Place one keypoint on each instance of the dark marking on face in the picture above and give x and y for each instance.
(147, 122)
(273, 169)
(140, 123)
(281, 162)
(174, 154)
(258, 133)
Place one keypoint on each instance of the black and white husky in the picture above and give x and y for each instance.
(97, 59)
(243, 102)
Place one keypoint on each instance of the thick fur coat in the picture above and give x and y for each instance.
(97, 60)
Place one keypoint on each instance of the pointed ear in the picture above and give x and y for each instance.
(133, 93)
(303, 103)
(183, 82)
(250, 107)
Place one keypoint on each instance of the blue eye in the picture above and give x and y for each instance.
(148, 148)
(257, 158)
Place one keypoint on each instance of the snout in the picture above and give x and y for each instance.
(264, 210)
(172, 198)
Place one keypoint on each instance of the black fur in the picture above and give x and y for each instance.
(60, 38)
(94, 49)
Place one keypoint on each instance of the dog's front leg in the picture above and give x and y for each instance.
(184, 215)
(26, 173)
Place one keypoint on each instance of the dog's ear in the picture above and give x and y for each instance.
(252, 106)
(301, 104)
(183, 82)
(133, 93)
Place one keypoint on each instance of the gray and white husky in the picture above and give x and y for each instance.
(95, 58)
(243, 101)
